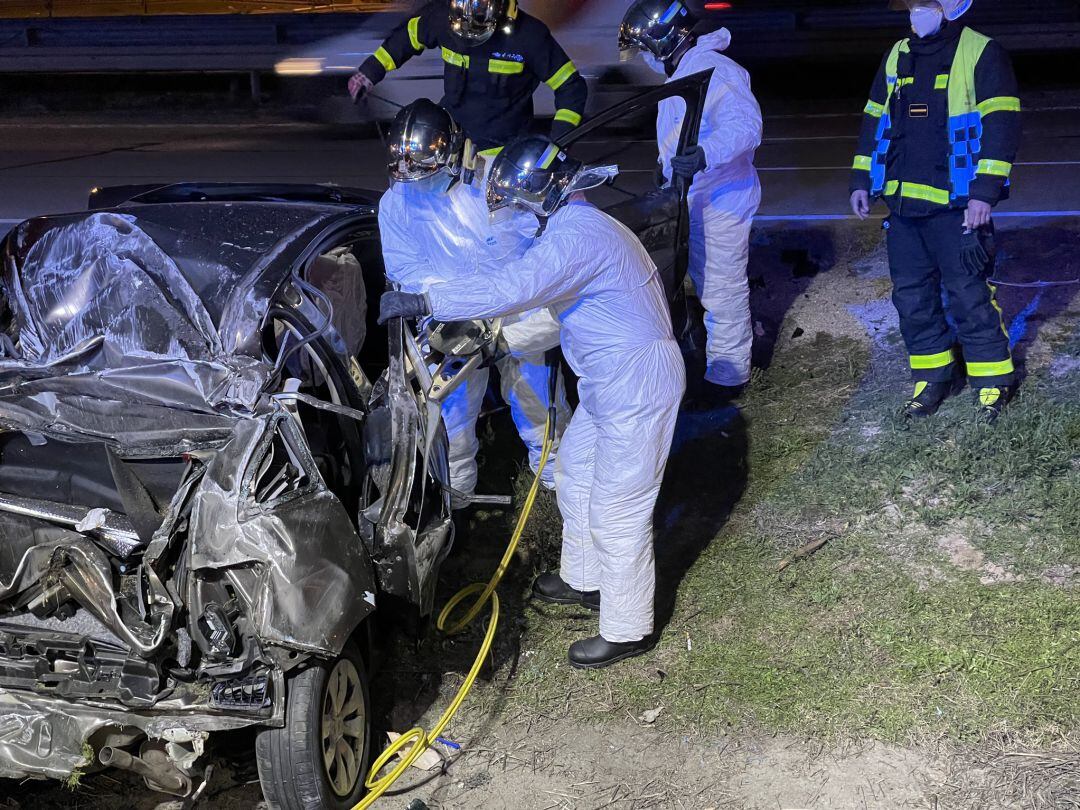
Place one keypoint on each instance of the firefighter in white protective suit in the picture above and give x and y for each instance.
(725, 192)
(616, 335)
(434, 227)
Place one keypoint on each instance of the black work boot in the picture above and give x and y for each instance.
(928, 397)
(551, 588)
(992, 401)
(597, 652)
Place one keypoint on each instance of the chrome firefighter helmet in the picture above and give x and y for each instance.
(425, 147)
(535, 174)
(475, 21)
(661, 27)
(954, 9)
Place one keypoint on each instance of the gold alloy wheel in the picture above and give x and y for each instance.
(344, 727)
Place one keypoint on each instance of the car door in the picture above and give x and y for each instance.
(658, 216)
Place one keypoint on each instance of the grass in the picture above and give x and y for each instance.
(930, 611)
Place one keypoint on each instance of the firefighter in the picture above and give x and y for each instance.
(939, 137)
(494, 56)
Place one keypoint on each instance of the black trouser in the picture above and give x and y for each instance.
(924, 256)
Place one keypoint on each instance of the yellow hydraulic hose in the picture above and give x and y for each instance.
(419, 739)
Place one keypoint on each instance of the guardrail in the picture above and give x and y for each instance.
(253, 43)
(132, 8)
(238, 43)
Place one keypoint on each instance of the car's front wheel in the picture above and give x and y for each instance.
(319, 758)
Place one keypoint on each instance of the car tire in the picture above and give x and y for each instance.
(292, 760)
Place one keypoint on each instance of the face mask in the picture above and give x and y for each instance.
(926, 20)
(512, 219)
(654, 63)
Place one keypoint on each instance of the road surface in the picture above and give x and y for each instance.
(48, 165)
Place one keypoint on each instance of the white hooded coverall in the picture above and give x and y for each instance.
(597, 278)
(430, 237)
(723, 200)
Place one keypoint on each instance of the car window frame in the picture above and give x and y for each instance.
(692, 90)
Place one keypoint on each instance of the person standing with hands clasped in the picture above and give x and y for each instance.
(939, 137)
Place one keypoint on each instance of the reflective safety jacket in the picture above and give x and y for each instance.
(942, 125)
(488, 88)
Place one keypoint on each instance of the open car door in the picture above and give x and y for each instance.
(659, 217)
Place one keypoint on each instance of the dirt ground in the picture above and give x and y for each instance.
(542, 755)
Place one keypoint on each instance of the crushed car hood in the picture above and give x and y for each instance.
(152, 306)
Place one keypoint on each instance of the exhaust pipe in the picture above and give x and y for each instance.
(159, 776)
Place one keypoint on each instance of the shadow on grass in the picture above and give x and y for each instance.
(705, 478)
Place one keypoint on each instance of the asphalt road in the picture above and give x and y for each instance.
(48, 165)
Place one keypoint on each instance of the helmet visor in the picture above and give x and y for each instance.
(474, 20)
(529, 186)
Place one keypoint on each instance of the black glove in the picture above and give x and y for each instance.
(658, 175)
(976, 252)
(689, 164)
(396, 304)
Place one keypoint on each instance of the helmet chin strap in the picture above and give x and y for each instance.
(680, 50)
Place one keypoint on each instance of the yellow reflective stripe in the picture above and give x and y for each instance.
(862, 162)
(942, 81)
(997, 306)
(385, 59)
(874, 109)
(561, 75)
(922, 362)
(548, 157)
(998, 369)
(998, 168)
(569, 116)
(454, 58)
(904, 81)
(917, 191)
(504, 66)
(999, 104)
(414, 34)
(491, 152)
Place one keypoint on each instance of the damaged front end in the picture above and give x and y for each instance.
(170, 547)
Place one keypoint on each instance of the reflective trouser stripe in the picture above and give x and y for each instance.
(998, 168)
(385, 59)
(558, 79)
(997, 306)
(997, 369)
(414, 34)
(999, 104)
(454, 58)
(491, 152)
(874, 109)
(862, 162)
(922, 362)
(942, 81)
(569, 116)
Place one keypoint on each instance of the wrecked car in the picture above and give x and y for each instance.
(201, 492)
(216, 474)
